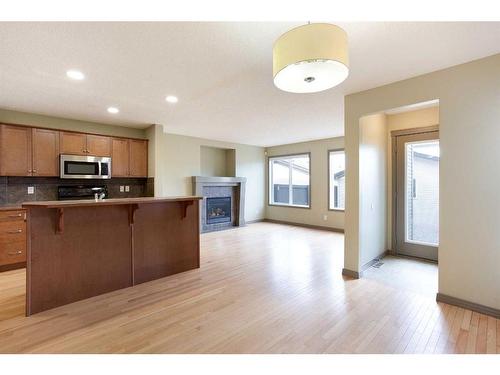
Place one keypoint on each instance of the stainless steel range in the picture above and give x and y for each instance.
(73, 192)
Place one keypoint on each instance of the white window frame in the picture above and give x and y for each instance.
(290, 188)
(330, 152)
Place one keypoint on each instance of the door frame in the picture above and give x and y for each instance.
(394, 135)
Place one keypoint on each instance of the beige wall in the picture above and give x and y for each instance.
(23, 118)
(373, 182)
(469, 113)
(214, 161)
(177, 159)
(405, 120)
(319, 185)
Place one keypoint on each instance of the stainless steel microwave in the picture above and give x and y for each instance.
(76, 166)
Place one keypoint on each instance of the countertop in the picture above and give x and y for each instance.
(107, 202)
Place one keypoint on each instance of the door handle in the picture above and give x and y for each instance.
(15, 215)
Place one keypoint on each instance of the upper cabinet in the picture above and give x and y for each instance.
(129, 158)
(120, 157)
(85, 144)
(73, 143)
(98, 145)
(15, 151)
(45, 152)
(138, 158)
(28, 151)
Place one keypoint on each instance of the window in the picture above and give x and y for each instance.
(336, 176)
(289, 180)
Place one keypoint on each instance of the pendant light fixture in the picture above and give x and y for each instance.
(310, 58)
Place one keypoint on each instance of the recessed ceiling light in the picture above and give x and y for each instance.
(113, 110)
(172, 99)
(75, 74)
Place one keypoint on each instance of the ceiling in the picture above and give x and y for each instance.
(221, 73)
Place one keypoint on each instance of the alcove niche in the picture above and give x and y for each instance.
(217, 162)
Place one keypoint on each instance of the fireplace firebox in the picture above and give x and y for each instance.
(218, 210)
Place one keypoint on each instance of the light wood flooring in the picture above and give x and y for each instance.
(264, 288)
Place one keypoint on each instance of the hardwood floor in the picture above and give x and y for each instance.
(264, 288)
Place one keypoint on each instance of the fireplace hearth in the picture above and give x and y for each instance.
(218, 210)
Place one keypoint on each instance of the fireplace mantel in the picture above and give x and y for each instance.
(238, 184)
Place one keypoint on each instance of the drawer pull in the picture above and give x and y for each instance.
(15, 252)
(15, 231)
(16, 215)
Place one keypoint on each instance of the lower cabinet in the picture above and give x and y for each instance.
(12, 239)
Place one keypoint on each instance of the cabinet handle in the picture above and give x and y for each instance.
(15, 231)
(16, 215)
(15, 252)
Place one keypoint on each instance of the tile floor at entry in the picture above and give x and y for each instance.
(264, 288)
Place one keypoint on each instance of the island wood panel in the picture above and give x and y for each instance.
(92, 256)
(81, 249)
(15, 151)
(45, 152)
(165, 242)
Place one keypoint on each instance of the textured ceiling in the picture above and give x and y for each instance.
(221, 72)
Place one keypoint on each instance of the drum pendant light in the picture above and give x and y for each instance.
(310, 58)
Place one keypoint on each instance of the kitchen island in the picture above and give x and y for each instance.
(84, 248)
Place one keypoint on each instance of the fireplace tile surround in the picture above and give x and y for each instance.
(221, 187)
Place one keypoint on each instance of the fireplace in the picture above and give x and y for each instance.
(218, 210)
(228, 191)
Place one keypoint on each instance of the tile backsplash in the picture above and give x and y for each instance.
(14, 190)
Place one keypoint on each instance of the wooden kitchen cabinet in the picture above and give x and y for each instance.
(138, 165)
(98, 145)
(12, 239)
(73, 143)
(45, 152)
(30, 151)
(15, 151)
(85, 144)
(120, 157)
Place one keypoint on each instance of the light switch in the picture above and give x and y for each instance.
(325, 217)
(127, 188)
(31, 190)
(122, 188)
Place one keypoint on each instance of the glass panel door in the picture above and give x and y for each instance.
(417, 195)
(422, 192)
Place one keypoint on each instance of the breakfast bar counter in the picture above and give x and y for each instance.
(80, 249)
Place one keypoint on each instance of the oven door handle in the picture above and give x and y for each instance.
(99, 164)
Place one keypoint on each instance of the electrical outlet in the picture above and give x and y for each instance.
(127, 188)
(31, 190)
(325, 217)
(122, 188)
